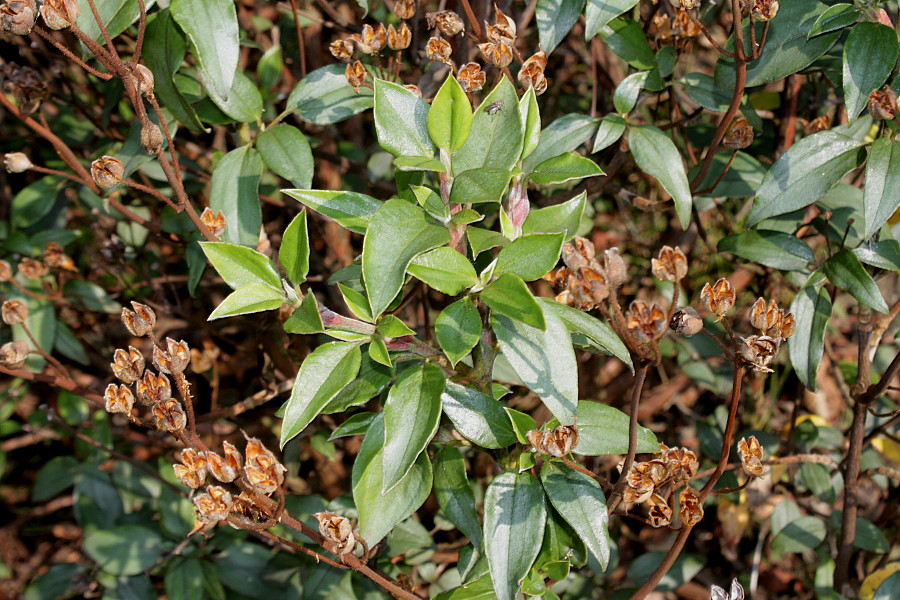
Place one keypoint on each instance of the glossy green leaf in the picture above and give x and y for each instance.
(285, 150)
(306, 319)
(716, 95)
(555, 19)
(294, 251)
(805, 173)
(543, 360)
(243, 103)
(391, 327)
(322, 375)
(560, 218)
(531, 121)
(603, 430)
(372, 379)
(510, 296)
(565, 134)
(444, 269)
(450, 116)
(626, 39)
(358, 424)
(34, 201)
(870, 54)
(480, 589)
(350, 209)
(836, 17)
(117, 16)
(495, 139)
(563, 168)
(458, 329)
(599, 334)
(401, 121)
(598, 14)
(380, 511)
(269, 68)
(626, 94)
(530, 256)
(123, 549)
(184, 579)
(479, 185)
(451, 487)
(55, 475)
(881, 199)
(800, 535)
(235, 192)
(685, 568)
(212, 27)
(580, 501)
(240, 266)
(742, 178)
(484, 239)
(514, 517)
(399, 232)
(478, 417)
(412, 413)
(884, 255)
(656, 154)
(811, 308)
(611, 128)
(251, 298)
(357, 303)
(846, 272)
(323, 97)
(419, 163)
(770, 248)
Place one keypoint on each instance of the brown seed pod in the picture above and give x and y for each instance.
(719, 298)
(140, 321)
(751, 453)
(18, 17)
(169, 415)
(118, 399)
(686, 321)
(14, 312)
(691, 511)
(153, 388)
(128, 366)
(646, 323)
(60, 14)
(174, 359)
(13, 354)
(107, 171)
(671, 265)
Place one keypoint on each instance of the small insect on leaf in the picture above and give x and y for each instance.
(494, 108)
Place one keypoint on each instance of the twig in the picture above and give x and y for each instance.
(639, 376)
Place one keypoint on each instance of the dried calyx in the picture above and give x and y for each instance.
(556, 442)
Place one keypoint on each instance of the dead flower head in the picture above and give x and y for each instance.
(18, 16)
(13, 354)
(60, 14)
(16, 162)
(681, 464)
(671, 265)
(763, 10)
(532, 72)
(759, 351)
(372, 39)
(739, 134)
(400, 38)
(499, 54)
(751, 453)
(614, 267)
(719, 297)
(128, 366)
(25, 85)
(215, 221)
(685, 4)
(261, 470)
(341, 49)
(214, 505)
(771, 320)
(883, 104)
(337, 530)
(118, 399)
(226, 468)
(32, 269)
(557, 442)
(503, 30)
(660, 511)
(446, 21)
(107, 171)
(717, 593)
(646, 323)
(169, 415)
(438, 50)
(405, 9)
(686, 321)
(140, 321)
(14, 312)
(192, 471)
(471, 77)
(56, 258)
(820, 123)
(691, 511)
(174, 359)
(5, 271)
(356, 75)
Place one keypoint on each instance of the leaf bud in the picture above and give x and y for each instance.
(174, 359)
(686, 321)
(446, 21)
(60, 14)
(14, 312)
(399, 39)
(18, 16)
(151, 138)
(128, 366)
(140, 321)
(16, 162)
(107, 171)
(13, 354)
(119, 399)
(471, 77)
(341, 49)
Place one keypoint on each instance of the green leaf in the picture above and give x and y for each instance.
(478, 417)
(412, 413)
(419, 163)
(805, 173)
(163, 52)
(685, 568)
(117, 15)
(555, 19)
(742, 178)
(510, 296)
(444, 269)
(480, 589)
(92, 296)
(124, 549)
(378, 351)
(479, 185)
(811, 308)
(563, 168)
(881, 199)
(401, 120)
(484, 239)
(800, 535)
(54, 476)
(870, 54)
(543, 360)
(599, 334)
(657, 155)
(240, 266)
(391, 327)
(380, 511)
(324, 97)
(458, 329)
(611, 128)
(294, 251)
(889, 588)
(34, 201)
(212, 27)
(884, 255)
(560, 218)
(716, 95)
(350, 209)
(530, 256)
(836, 17)
(358, 424)
(580, 501)
(251, 298)
(184, 579)
(770, 248)
(399, 232)
(514, 517)
(235, 192)
(604, 430)
(495, 140)
(285, 150)
(598, 14)
(268, 69)
(372, 379)
(846, 272)
(243, 102)
(322, 375)
(531, 121)
(450, 116)
(431, 202)
(306, 319)
(626, 39)
(451, 487)
(357, 303)
(565, 134)
(626, 94)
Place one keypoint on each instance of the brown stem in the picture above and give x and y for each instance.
(70, 55)
(148, 190)
(300, 43)
(709, 37)
(640, 376)
(851, 492)
(109, 42)
(470, 16)
(142, 26)
(576, 467)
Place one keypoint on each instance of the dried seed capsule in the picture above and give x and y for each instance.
(557, 442)
(399, 39)
(152, 388)
(261, 470)
(32, 269)
(738, 135)
(214, 505)
(820, 123)
(337, 530)
(107, 171)
(503, 30)
(16, 162)
(215, 221)
(356, 75)
(405, 9)
(143, 79)
(691, 511)
(446, 21)
(140, 321)
(174, 359)
(25, 85)
(373, 39)
(614, 266)
(686, 322)
(169, 415)
(438, 50)
(751, 453)
(660, 511)
(14, 312)
(671, 265)
(128, 366)
(151, 138)
(759, 351)
(60, 14)
(54, 257)
(6, 272)
(883, 104)
(717, 593)
(471, 77)
(532, 72)
(13, 354)
(498, 54)
(719, 298)
(341, 49)
(685, 4)
(645, 322)
(763, 10)
(192, 472)
(788, 326)
(225, 469)
(118, 399)
(18, 16)
(681, 464)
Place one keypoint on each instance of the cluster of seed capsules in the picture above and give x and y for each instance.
(255, 472)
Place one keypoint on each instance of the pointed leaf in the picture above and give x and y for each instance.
(811, 308)
(251, 298)
(479, 185)
(451, 487)
(565, 134)
(510, 296)
(401, 121)
(450, 116)
(285, 150)
(358, 424)
(882, 191)
(240, 266)
(611, 129)
(323, 97)
(349, 209)
(478, 417)
(560, 218)
(846, 272)
(598, 333)
(458, 329)
(604, 430)
(531, 121)
(581, 502)
(657, 155)
(870, 54)
(598, 14)
(495, 140)
(212, 27)
(306, 319)
(836, 17)
(294, 251)
(444, 269)
(626, 94)
(530, 256)
(555, 19)
(235, 192)
(563, 168)
(770, 248)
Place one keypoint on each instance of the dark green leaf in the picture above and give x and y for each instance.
(480, 589)
(805, 173)
(184, 579)
(322, 375)
(235, 192)
(889, 588)
(54, 476)
(478, 417)
(510, 296)
(803, 534)
(450, 116)
(884, 255)
(240, 266)
(251, 298)
(626, 94)
(243, 103)
(285, 150)
(881, 199)
(55, 582)
(742, 179)
(212, 27)
(563, 168)
(451, 487)
(601, 335)
(372, 379)
(611, 128)
(836, 17)
(560, 218)
(269, 68)
(543, 360)
(401, 121)
(431, 202)
(124, 549)
(530, 256)
(598, 14)
(870, 54)
(604, 430)
(412, 413)
(626, 39)
(846, 272)
(306, 319)
(495, 140)
(458, 329)
(419, 163)
(531, 121)
(770, 248)
(444, 269)
(565, 134)
(555, 19)
(324, 97)
(294, 251)
(479, 185)
(685, 568)
(811, 308)
(34, 201)
(358, 424)
(657, 155)
(349, 209)
(400, 231)
(514, 517)
(581, 502)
